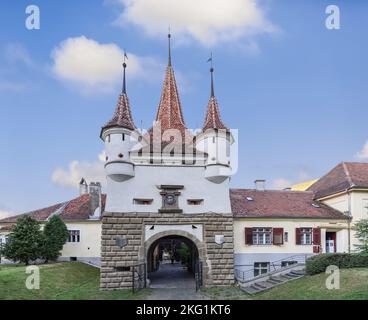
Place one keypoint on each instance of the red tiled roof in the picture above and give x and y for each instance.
(345, 175)
(122, 116)
(213, 119)
(76, 209)
(169, 113)
(279, 204)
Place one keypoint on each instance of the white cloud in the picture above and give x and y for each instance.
(281, 183)
(16, 52)
(96, 67)
(207, 21)
(70, 178)
(363, 154)
(5, 214)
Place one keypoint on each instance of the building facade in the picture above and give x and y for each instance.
(172, 185)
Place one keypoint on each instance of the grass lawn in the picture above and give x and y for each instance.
(353, 286)
(78, 281)
(59, 281)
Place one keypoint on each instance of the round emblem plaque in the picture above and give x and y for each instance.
(170, 199)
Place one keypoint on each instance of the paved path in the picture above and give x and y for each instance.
(173, 282)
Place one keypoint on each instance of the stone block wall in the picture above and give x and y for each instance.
(116, 262)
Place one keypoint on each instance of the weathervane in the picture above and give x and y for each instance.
(211, 70)
(124, 66)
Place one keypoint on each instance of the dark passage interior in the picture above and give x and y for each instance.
(171, 263)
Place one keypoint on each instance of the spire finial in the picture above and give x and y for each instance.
(169, 38)
(124, 67)
(211, 70)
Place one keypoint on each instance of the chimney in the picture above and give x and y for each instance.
(260, 184)
(83, 187)
(95, 200)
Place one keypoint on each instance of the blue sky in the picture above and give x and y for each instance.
(296, 91)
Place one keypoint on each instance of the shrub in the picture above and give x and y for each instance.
(319, 263)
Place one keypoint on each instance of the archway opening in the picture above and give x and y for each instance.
(171, 262)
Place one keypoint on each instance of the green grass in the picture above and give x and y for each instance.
(77, 281)
(225, 293)
(59, 281)
(353, 286)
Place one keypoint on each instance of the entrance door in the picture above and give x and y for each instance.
(330, 242)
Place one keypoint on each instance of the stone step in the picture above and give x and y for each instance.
(298, 272)
(274, 281)
(250, 290)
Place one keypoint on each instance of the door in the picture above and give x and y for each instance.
(330, 242)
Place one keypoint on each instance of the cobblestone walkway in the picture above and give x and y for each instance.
(173, 282)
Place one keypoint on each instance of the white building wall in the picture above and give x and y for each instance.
(246, 255)
(145, 184)
(90, 240)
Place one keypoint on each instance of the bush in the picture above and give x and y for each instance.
(319, 263)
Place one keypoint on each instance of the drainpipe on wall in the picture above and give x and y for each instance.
(349, 221)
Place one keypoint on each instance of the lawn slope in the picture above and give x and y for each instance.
(353, 286)
(59, 281)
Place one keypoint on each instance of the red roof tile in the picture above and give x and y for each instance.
(345, 175)
(122, 116)
(76, 209)
(213, 118)
(279, 204)
(169, 113)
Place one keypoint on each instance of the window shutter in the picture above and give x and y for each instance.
(316, 236)
(297, 236)
(278, 236)
(248, 236)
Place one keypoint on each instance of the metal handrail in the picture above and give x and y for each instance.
(243, 274)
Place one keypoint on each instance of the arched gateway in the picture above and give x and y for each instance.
(175, 259)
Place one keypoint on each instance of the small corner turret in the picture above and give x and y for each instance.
(118, 137)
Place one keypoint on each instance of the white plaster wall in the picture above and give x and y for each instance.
(288, 226)
(90, 240)
(145, 185)
(340, 202)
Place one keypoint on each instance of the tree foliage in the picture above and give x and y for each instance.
(24, 241)
(55, 234)
(361, 229)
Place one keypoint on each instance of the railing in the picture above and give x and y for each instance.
(199, 275)
(139, 277)
(246, 275)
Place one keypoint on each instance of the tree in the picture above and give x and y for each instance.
(55, 234)
(24, 241)
(184, 253)
(361, 229)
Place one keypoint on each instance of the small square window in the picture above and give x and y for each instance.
(74, 236)
(143, 202)
(261, 268)
(195, 202)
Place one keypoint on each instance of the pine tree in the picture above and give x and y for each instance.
(55, 234)
(361, 228)
(24, 242)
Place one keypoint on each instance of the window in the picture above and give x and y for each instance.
(143, 202)
(74, 236)
(306, 236)
(365, 207)
(108, 138)
(287, 263)
(262, 236)
(195, 202)
(286, 236)
(123, 137)
(261, 268)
